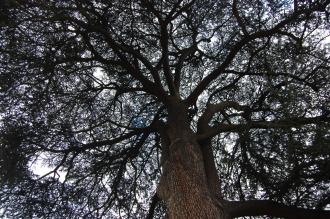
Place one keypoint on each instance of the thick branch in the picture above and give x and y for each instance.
(185, 53)
(153, 205)
(164, 44)
(165, 57)
(211, 172)
(149, 86)
(211, 109)
(270, 208)
(276, 124)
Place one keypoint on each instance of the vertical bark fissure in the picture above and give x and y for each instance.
(183, 185)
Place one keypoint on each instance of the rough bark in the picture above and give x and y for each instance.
(190, 185)
(184, 186)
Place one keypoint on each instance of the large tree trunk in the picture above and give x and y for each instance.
(184, 186)
(190, 186)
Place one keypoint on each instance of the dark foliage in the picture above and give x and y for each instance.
(84, 85)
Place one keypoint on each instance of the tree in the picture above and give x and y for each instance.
(184, 108)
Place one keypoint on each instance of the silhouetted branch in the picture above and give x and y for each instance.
(275, 124)
(271, 208)
(153, 205)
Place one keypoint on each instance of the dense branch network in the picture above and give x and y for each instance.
(86, 87)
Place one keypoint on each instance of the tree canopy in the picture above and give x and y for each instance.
(87, 88)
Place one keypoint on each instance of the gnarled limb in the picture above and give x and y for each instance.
(271, 208)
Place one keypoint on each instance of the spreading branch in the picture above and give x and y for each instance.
(274, 209)
(275, 124)
(192, 98)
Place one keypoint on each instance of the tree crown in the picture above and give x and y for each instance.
(86, 87)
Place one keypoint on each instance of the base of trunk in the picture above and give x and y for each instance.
(186, 199)
(183, 185)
